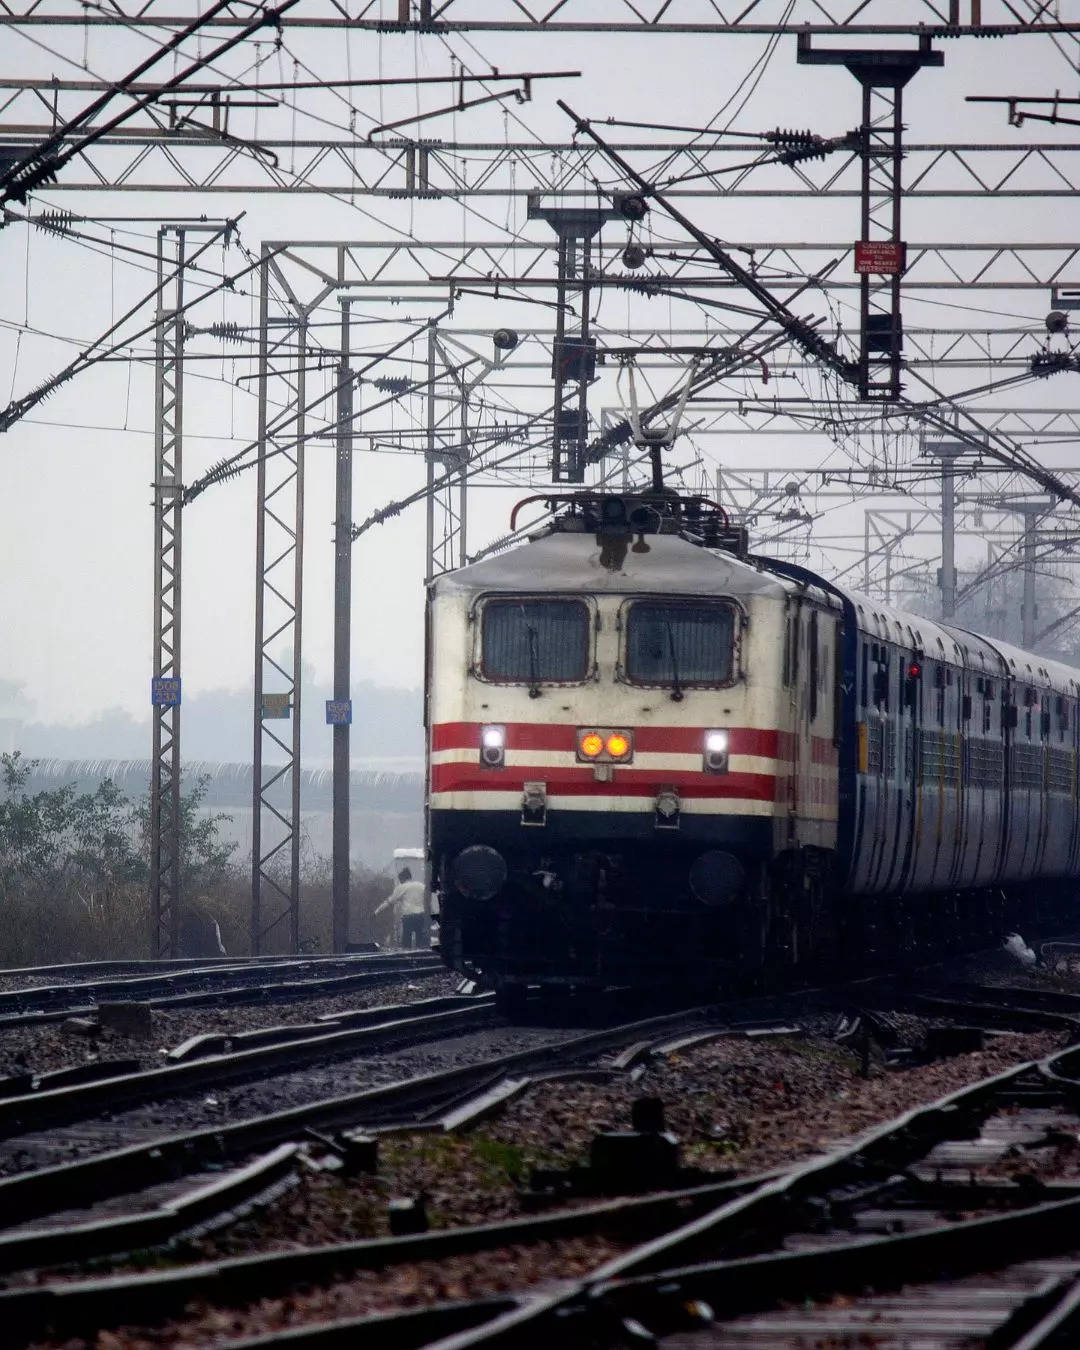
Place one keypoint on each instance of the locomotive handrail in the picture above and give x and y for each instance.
(649, 498)
(539, 497)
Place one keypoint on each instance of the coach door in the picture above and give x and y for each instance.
(1072, 713)
(909, 707)
(879, 816)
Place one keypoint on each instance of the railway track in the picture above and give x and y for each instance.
(183, 1184)
(199, 1179)
(262, 1052)
(196, 985)
(441, 1102)
(954, 1223)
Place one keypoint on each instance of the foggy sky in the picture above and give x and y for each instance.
(75, 517)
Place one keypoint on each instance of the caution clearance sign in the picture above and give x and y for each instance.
(881, 257)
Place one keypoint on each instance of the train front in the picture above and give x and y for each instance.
(602, 728)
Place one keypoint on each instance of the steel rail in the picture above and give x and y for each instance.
(69, 1307)
(31, 1195)
(164, 964)
(203, 1206)
(232, 996)
(33, 1111)
(596, 1306)
(233, 981)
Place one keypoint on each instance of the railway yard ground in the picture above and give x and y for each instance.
(396, 1165)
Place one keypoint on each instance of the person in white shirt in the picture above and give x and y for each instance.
(409, 900)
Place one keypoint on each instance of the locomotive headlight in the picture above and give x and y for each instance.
(591, 744)
(493, 746)
(605, 745)
(618, 745)
(715, 757)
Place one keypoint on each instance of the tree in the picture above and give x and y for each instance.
(74, 867)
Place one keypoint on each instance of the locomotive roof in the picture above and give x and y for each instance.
(571, 562)
(941, 641)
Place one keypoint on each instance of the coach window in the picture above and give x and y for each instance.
(677, 644)
(532, 640)
(881, 677)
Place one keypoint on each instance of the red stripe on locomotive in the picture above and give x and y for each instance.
(571, 781)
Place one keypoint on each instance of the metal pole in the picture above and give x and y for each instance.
(429, 549)
(866, 132)
(558, 366)
(342, 638)
(866, 553)
(279, 576)
(165, 886)
(581, 428)
(260, 570)
(948, 533)
(298, 629)
(1028, 611)
(463, 481)
(894, 287)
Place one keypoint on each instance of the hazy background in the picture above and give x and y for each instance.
(75, 514)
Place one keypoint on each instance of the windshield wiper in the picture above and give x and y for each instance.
(534, 676)
(676, 686)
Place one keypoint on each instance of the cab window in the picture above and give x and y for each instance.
(531, 640)
(677, 643)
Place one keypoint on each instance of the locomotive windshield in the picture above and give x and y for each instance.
(680, 643)
(535, 641)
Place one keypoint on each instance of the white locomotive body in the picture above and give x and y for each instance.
(652, 760)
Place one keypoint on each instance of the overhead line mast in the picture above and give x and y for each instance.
(804, 335)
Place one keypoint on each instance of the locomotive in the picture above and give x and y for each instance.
(656, 760)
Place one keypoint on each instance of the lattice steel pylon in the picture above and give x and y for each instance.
(446, 449)
(880, 252)
(165, 684)
(279, 550)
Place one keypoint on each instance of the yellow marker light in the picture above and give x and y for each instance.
(592, 744)
(618, 745)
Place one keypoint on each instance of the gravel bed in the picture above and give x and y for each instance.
(225, 1104)
(752, 1106)
(372, 1291)
(39, 1049)
(736, 1104)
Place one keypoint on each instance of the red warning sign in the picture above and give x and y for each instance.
(883, 257)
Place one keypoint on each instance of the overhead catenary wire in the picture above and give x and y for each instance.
(43, 164)
(90, 356)
(805, 336)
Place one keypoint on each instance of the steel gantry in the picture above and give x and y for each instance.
(165, 897)
(172, 335)
(279, 576)
(164, 159)
(411, 264)
(941, 18)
